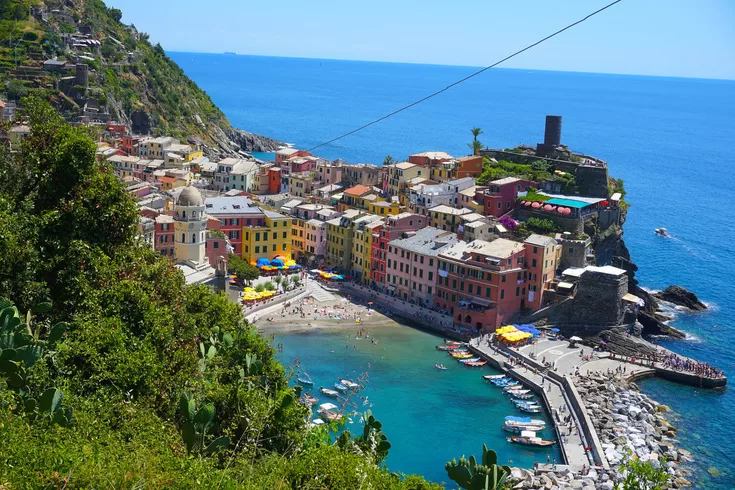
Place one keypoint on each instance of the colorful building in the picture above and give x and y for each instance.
(394, 227)
(362, 248)
(542, 258)
(482, 284)
(235, 214)
(398, 175)
(446, 217)
(499, 197)
(412, 264)
(269, 240)
(339, 239)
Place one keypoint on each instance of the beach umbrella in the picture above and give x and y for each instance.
(555, 330)
(536, 205)
(263, 262)
(575, 339)
(526, 203)
(277, 262)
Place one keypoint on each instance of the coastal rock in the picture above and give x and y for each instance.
(252, 142)
(681, 297)
(653, 326)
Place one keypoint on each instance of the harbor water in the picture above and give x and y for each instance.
(670, 139)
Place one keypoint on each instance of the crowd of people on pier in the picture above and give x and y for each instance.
(672, 361)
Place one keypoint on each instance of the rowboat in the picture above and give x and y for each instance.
(525, 403)
(452, 342)
(490, 377)
(328, 392)
(440, 366)
(514, 387)
(447, 347)
(525, 396)
(535, 409)
(308, 399)
(341, 387)
(462, 356)
(529, 438)
(328, 412)
(305, 380)
(504, 382)
(349, 384)
(476, 363)
(517, 393)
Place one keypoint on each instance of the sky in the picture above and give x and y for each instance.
(682, 38)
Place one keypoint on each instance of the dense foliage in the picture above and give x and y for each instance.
(147, 383)
(536, 172)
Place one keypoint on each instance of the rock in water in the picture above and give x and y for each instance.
(680, 296)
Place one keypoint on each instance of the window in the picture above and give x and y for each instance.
(535, 249)
(469, 288)
(257, 237)
(518, 291)
(216, 244)
(454, 285)
(284, 234)
(428, 289)
(274, 247)
(503, 280)
(283, 247)
(519, 276)
(431, 262)
(461, 285)
(257, 249)
(431, 275)
(571, 250)
(487, 292)
(502, 293)
(183, 238)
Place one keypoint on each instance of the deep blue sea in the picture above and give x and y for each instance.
(670, 139)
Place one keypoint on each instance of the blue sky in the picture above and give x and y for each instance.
(650, 37)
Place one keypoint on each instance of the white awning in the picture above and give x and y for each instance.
(565, 285)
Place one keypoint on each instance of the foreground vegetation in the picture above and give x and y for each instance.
(114, 374)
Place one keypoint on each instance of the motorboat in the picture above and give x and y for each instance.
(525, 403)
(450, 347)
(490, 377)
(341, 387)
(505, 382)
(440, 366)
(316, 423)
(518, 424)
(514, 387)
(476, 363)
(329, 412)
(308, 399)
(349, 384)
(661, 232)
(453, 342)
(529, 438)
(531, 409)
(515, 393)
(471, 359)
(305, 380)
(328, 392)
(466, 355)
(521, 396)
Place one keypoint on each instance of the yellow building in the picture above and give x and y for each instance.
(446, 217)
(400, 173)
(268, 241)
(362, 243)
(297, 237)
(384, 208)
(340, 232)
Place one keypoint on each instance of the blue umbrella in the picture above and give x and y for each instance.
(263, 262)
(277, 262)
(555, 330)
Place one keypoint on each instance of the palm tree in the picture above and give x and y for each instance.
(476, 132)
(388, 160)
(476, 146)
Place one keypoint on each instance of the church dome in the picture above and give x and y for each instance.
(190, 196)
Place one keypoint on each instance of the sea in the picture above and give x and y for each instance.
(670, 139)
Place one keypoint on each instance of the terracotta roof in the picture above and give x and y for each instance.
(358, 190)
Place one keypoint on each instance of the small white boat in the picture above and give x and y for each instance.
(305, 381)
(328, 392)
(316, 423)
(471, 359)
(491, 377)
(516, 393)
(518, 424)
(341, 387)
(661, 232)
(517, 386)
(349, 384)
(441, 367)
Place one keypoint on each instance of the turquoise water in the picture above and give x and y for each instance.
(670, 139)
(430, 416)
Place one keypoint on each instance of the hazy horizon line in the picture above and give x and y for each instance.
(233, 53)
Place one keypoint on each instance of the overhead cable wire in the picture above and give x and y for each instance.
(417, 102)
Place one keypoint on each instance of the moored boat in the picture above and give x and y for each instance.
(328, 411)
(514, 387)
(533, 409)
(440, 366)
(479, 363)
(465, 355)
(341, 387)
(316, 423)
(308, 399)
(349, 384)
(490, 377)
(328, 392)
(305, 380)
(470, 359)
(523, 396)
(529, 438)
(518, 424)
(517, 393)
(447, 347)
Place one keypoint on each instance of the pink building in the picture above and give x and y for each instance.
(315, 237)
(412, 263)
(215, 247)
(542, 257)
(394, 227)
(500, 195)
(329, 172)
